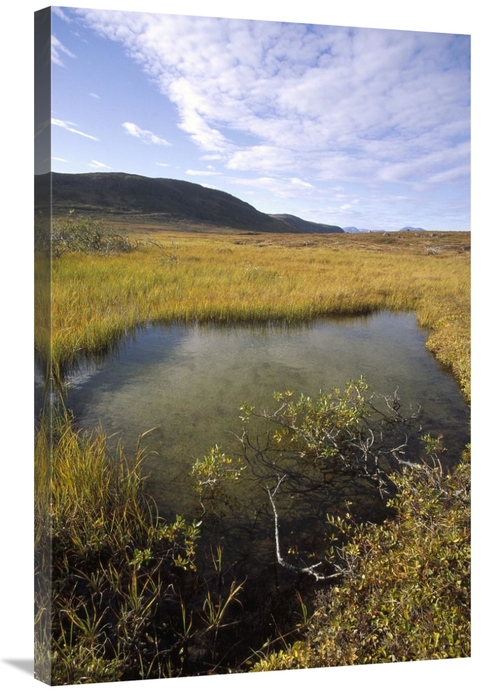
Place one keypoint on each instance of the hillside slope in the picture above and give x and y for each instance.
(171, 200)
(303, 226)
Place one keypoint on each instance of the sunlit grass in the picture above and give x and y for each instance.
(116, 588)
(237, 278)
(98, 538)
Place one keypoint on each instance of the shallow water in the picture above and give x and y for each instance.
(188, 383)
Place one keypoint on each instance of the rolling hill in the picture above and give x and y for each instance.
(167, 200)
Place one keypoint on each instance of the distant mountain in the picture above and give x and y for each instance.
(410, 228)
(353, 229)
(301, 226)
(168, 200)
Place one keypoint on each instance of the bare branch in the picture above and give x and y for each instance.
(301, 570)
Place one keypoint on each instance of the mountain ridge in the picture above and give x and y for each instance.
(171, 200)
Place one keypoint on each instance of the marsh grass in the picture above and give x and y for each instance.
(118, 595)
(115, 583)
(225, 278)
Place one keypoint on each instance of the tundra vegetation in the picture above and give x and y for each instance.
(123, 593)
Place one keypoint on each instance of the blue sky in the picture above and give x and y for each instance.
(347, 126)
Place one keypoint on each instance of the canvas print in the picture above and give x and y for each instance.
(252, 256)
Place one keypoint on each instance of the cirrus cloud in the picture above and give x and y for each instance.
(71, 127)
(280, 187)
(191, 172)
(295, 110)
(99, 165)
(145, 135)
(342, 103)
(56, 48)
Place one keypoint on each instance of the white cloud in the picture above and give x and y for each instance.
(300, 183)
(284, 188)
(450, 174)
(145, 135)
(98, 164)
(70, 127)
(313, 103)
(58, 158)
(440, 165)
(262, 158)
(94, 96)
(60, 13)
(56, 48)
(191, 172)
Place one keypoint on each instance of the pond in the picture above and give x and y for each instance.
(188, 382)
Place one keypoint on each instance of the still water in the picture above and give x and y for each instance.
(188, 382)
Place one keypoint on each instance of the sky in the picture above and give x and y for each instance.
(340, 125)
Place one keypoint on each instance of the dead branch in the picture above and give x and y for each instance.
(299, 570)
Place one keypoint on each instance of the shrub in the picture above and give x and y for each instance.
(87, 235)
(402, 585)
(405, 592)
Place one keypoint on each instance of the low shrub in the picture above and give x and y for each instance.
(87, 235)
(405, 593)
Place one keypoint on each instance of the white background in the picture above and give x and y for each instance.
(16, 362)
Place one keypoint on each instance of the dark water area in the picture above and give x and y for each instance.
(188, 382)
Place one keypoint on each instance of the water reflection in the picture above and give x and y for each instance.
(188, 383)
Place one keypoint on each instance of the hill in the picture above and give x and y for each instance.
(167, 200)
(302, 226)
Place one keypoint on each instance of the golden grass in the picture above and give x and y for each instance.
(257, 278)
(97, 510)
(95, 529)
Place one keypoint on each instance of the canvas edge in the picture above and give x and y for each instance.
(42, 332)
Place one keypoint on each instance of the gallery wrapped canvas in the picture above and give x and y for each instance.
(252, 339)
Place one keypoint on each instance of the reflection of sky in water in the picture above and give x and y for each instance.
(190, 381)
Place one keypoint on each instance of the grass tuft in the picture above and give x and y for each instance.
(114, 581)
